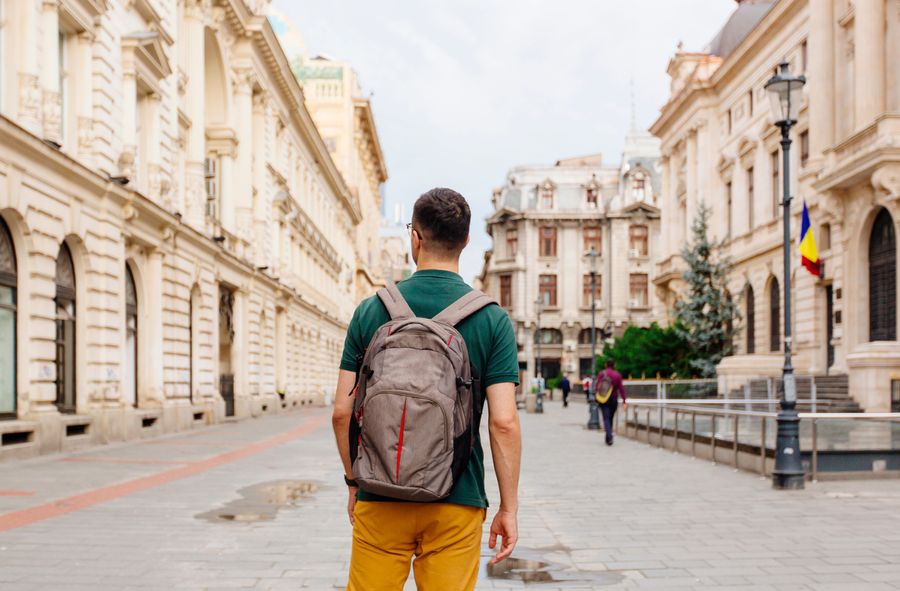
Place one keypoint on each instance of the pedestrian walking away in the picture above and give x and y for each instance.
(608, 388)
(565, 386)
(420, 360)
(586, 385)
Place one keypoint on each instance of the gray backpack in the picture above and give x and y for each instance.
(415, 414)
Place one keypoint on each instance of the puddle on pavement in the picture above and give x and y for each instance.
(538, 571)
(261, 502)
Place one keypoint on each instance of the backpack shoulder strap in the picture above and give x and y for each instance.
(464, 307)
(394, 302)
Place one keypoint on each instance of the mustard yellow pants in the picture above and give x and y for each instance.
(445, 540)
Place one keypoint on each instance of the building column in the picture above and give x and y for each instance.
(261, 203)
(84, 110)
(243, 177)
(194, 91)
(153, 166)
(691, 182)
(821, 77)
(50, 70)
(893, 56)
(127, 164)
(868, 35)
(154, 353)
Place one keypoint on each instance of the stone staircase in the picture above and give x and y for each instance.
(832, 390)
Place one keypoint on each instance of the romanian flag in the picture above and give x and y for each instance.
(809, 255)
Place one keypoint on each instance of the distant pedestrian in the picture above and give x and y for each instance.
(586, 385)
(607, 389)
(565, 386)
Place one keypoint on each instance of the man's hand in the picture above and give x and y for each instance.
(351, 503)
(506, 527)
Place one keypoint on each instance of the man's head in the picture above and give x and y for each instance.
(440, 225)
(610, 364)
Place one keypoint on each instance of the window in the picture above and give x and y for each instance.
(211, 184)
(804, 57)
(638, 241)
(804, 148)
(775, 178)
(506, 291)
(8, 333)
(549, 336)
(65, 331)
(547, 195)
(728, 198)
(638, 294)
(586, 299)
(638, 185)
(895, 395)
(584, 337)
(131, 341)
(548, 242)
(825, 237)
(547, 290)
(751, 319)
(774, 316)
(883, 279)
(591, 195)
(592, 235)
(512, 242)
(750, 197)
(750, 101)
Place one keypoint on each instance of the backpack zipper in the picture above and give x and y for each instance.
(369, 398)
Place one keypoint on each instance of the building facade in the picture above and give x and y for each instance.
(346, 122)
(177, 245)
(719, 146)
(546, 218)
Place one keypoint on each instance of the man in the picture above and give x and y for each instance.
(608, 408)
(444, 536)
(565, 386)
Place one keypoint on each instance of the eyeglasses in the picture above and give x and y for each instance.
(409, 228)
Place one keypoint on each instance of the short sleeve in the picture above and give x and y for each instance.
(353, 347)
(503, 357)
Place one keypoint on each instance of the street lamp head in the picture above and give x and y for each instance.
(592, 254)
(785, 95)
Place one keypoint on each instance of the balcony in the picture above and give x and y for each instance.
(855, 159)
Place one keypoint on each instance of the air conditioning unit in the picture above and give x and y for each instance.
(634, 253)
(634, 303)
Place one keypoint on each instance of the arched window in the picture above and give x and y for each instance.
(65, 331)
(7, 323)
(883, 279)
(131, 338)
(550, 336)
(774, 316)
(584, 337)
(750, 302)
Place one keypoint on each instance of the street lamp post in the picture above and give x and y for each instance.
(594, 419)
(785, 93)
(539, 403)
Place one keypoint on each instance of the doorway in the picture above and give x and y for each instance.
(226, 341)
(829, 327)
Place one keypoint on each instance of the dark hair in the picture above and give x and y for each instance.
(610, 363)
(442, 216)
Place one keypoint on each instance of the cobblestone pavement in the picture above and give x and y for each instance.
(144, 516)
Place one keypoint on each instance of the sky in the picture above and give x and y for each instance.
(464, 90)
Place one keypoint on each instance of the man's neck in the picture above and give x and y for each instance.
(430, 264)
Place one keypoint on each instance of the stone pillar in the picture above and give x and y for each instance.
(261, 203)
(50, 69)
(154, 327)
(893, 56)
(691, 183)
(243, 177)
(25, 98)
(194, 91)
(153, 166)
(868, 35)
(127, 167)
(227, 202)
(821, 77)
(84, 110)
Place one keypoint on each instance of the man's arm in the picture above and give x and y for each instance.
(506, 450)
(340, 422)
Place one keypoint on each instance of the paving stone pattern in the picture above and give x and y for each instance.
(626, 517)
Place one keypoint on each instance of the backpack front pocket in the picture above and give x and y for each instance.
(403, 435)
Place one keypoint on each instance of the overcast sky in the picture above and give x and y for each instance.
(464, 90)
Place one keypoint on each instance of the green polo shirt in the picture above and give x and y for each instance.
(492, 351)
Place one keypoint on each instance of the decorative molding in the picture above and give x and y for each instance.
(886, 181)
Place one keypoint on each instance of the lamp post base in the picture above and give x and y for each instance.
(594, 420)
(788, 473)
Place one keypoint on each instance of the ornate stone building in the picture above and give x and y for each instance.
(545, 219)
(345, 120)
(177, 244)
(719, 146)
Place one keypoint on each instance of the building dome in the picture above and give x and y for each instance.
(739, 25)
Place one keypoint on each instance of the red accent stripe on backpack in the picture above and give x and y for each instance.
(400, 442)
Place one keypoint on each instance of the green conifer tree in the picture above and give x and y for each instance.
(707, 315)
